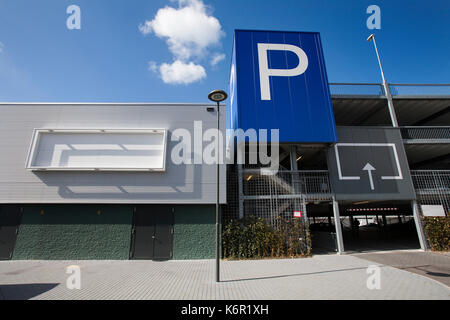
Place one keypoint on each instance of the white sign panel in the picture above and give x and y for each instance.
(433, 211)
(99, 149)
(297, 214)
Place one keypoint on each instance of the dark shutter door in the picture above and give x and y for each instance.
(10, 216)
(163, 233)
(152, 232)
(143, 232)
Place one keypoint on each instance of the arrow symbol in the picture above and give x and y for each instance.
(369, 168)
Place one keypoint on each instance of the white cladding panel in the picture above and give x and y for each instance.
(433, 210)
(184, 183)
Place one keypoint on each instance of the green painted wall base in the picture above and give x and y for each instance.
(86, 232)
(194, 232)
(74, 232)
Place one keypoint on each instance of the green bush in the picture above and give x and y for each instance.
(252, 237)
(437, 231)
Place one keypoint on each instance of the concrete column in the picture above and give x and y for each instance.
(337, 224)
(419, 227)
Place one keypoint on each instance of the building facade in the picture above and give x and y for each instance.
(137, 181)
(97, 181)
(361, 176)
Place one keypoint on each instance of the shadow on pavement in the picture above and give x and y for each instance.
(295, 274)
(428, 264)
(24, 291)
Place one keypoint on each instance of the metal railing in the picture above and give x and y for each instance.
(273, 196)
(356, 89)
(414, 89)
(287, 184)
(428, 134)
(397, 89)
(278, 195)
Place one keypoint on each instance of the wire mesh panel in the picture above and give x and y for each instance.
(277, 196)
(273, 196)
(432, 187)
(313, 184)
(272, 210)
(425, 133)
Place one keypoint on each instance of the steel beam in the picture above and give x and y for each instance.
(337, 224)
(419, 226)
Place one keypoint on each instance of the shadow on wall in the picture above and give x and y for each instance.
(181, 182)
(128, 185)
(24, 291)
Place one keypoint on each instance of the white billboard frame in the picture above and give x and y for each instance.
(31, 157)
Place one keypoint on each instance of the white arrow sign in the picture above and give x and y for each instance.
(369, 168)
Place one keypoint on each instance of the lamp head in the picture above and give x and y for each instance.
(217, 95)
(370, 38)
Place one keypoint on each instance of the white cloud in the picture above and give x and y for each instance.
(189, 30)
(181, 73)
(218, 57)
(152, 66)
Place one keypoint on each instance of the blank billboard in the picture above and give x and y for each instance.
(99, 149)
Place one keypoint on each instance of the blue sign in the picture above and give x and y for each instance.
(278, 81)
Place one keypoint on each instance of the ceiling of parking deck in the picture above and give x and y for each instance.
(432, 112)
(359, 111)
(428, 156)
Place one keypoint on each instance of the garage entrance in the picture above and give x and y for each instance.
(376, 226)
(366, 226)
(152, 234)
(10, 216)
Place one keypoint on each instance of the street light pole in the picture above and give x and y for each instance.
(217, 96)
(387, 91)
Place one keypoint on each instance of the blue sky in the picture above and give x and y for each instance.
(124, 52)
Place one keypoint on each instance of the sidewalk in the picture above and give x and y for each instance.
(319, 277)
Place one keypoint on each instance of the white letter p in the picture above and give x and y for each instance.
(265, 72)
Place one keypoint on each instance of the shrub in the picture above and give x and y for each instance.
(252, 237)
(437, 231)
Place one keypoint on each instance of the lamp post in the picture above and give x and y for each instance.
(217, 96)
(387, 91)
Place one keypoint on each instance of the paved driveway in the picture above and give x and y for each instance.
(429, 264)
(319, 277)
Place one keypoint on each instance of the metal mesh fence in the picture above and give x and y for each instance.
(425, 133)
(432, 187)
(287, 184)
(272, 197)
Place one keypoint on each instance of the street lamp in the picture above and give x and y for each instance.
(217, 96)
(385, 85)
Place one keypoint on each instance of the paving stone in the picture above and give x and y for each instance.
(319, 277)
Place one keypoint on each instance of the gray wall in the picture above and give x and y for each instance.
(178, 184)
